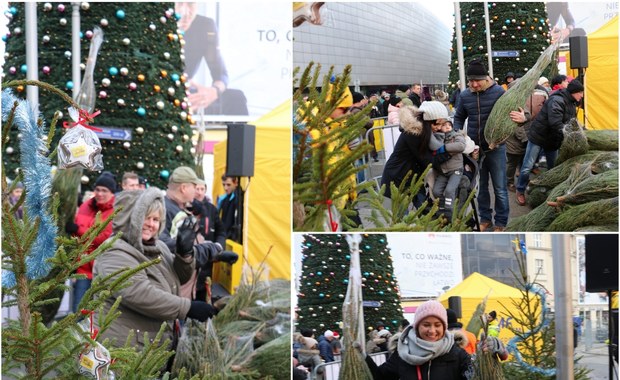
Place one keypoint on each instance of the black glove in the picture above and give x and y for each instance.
(201, 311)
(185, 238)
(71, 228)
(227, 256)
(439, 159)
(197, 208)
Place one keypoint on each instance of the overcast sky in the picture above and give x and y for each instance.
(443, 10)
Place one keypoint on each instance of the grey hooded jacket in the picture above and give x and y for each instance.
(152, 296)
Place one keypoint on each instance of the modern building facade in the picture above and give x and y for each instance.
(387, 44)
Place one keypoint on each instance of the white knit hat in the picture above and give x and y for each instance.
(328, 334)
(433, 110)
(431, 309)
(543, 80)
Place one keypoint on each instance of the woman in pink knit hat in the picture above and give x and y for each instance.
(426, 350)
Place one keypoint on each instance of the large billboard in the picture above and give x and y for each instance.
(426, 264)
(237, 58)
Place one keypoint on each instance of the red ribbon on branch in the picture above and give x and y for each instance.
(93, 331)
(83, 119)
(332, 224)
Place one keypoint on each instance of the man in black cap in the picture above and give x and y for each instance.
(475, 105)
(545, 133)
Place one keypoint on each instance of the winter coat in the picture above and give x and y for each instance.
(211, 226)
(454, 143)
(455, 365)
(476, 107)
(408, 155)
(325, 350)
(415, 99)
(517, 142)
(228, 204)
(546, 129)
(393, 117)
(152, 295)
(85, 219)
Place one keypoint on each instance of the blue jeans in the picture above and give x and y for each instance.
(532, 152)
(79, 289)
(494, 166)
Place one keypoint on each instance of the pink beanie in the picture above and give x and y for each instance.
(430, 309)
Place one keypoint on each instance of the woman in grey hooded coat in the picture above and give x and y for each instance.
(152, 296)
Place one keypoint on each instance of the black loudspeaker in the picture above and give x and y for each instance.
(578, 52)
(454, 303)
(601, 262)
(240, 150)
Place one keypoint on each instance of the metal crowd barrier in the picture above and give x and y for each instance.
(387, 139)
(331, 370)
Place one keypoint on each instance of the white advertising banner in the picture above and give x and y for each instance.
(237, 56)
(426, 264)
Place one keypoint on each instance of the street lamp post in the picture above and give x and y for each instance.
(563, 308)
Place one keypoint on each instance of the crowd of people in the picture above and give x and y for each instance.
(435, 346)
(432, 134)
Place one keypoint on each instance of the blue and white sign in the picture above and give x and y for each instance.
(110, 133)
(505, 53)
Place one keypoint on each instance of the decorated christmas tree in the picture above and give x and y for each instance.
(325, 276)
(519, 33)
(139, 81)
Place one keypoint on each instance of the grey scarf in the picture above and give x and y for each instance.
(416, 351)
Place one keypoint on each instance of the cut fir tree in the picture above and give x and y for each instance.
(139, 81)
(325, 277)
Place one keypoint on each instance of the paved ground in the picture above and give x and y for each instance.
(376, 169)
(596, 359)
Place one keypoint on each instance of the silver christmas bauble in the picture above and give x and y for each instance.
(85, 6)
(140, 165)
(179, 148)
(174, 128)
(67, 54)
(47, 7)
(84, 180)
(160, 105)
(171, 91)
(63, 21)
(104, 22)
(124, 71)
(9, 150)
(126, 41)
(139, 130)
(192, 150)
(82, 66)
(126, 145)
(120, 102)
(163, 19)
(152, 27)
(46, 38)
(170, 136)
(166, 55)
(105, 82)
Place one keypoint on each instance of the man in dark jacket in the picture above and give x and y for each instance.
(414, 96)
(546, 133)
(475, 105)
(180, 194)
(325, 347)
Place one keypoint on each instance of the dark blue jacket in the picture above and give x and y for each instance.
(546, 129)
(325, 350)
(476, 107)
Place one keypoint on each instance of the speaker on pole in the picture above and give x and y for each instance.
(240, 148)
(601, 262)
(578, 52)
(454, 303)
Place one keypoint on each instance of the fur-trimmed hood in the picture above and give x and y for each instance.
(460, 338)
(409, 120)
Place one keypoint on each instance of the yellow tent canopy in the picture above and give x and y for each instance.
(601, 79)
(472, 291)
(268, 194)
